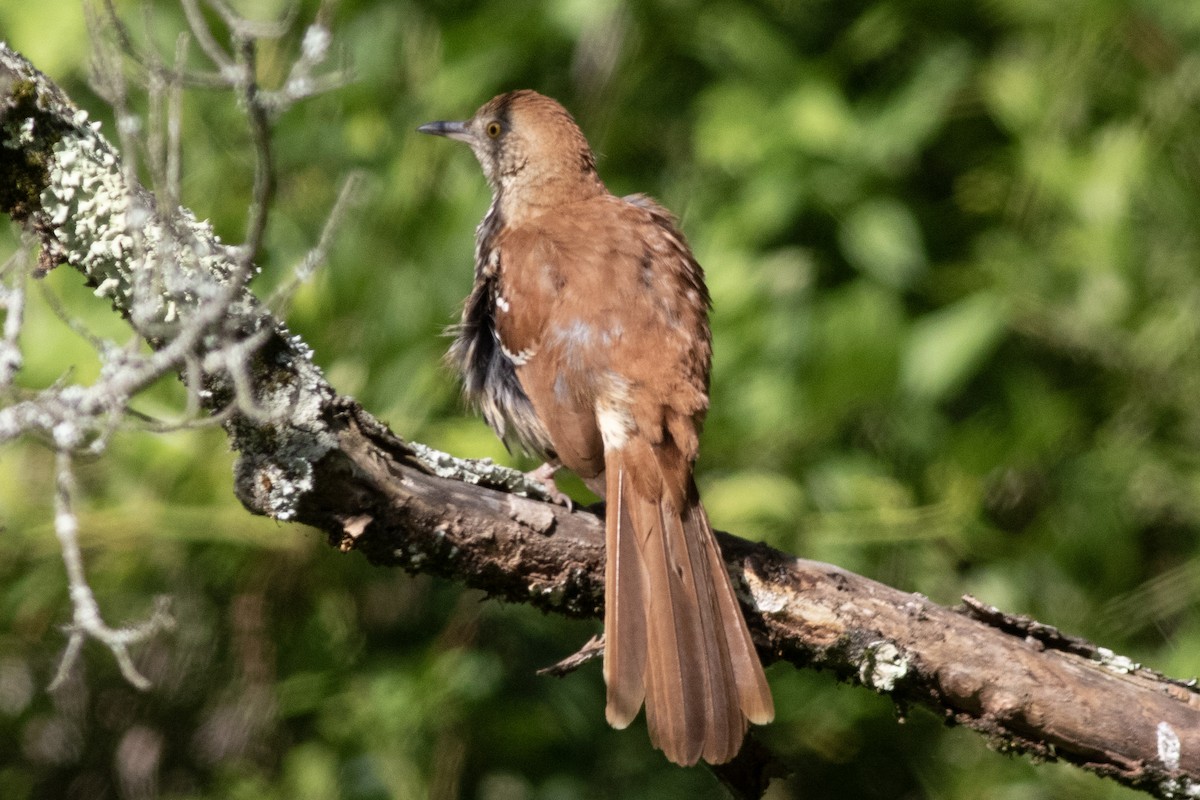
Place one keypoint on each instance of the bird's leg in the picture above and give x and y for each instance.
(544, 475)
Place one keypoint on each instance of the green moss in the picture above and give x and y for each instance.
(24, 92)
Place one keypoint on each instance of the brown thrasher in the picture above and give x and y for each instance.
(585, 341)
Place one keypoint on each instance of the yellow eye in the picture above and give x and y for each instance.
(493, 130)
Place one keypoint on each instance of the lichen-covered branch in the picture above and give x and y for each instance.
(310, 455)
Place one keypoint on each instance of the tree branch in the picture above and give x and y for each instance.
(309, 455)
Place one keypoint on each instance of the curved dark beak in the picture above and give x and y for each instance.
(451, 130)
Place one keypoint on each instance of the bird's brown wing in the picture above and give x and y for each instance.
(547, 328)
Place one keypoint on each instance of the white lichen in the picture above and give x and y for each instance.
(315, 45)
(67, 435)
(279, 465)
(286, 483)
(1122, 665)
(19, 135)
(1168, 746)
(767, 598)
(478, 471)
(883, 666)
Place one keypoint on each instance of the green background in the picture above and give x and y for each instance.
(953, 254)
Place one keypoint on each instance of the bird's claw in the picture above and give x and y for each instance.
(544, 477)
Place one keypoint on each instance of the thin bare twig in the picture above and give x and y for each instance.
(241, 27)
(592, 649)
(165, 123)
(55, 304)
(204, 38)
(281, 298)
(234, 361)
(12, 301)
(216, 419)
(86, 620)
(174, 156)
(264, 160)
(149, 64)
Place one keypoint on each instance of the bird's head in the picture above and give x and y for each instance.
(530, 149)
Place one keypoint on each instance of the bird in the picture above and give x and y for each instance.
(585, 342)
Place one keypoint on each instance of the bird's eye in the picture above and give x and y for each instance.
(493, 130)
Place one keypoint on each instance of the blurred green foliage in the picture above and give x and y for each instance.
(953, 253)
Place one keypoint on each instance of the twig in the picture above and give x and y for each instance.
(12, 301)
(86, 620)
(244, 28)
(281, 298)
(264, 160)
(204, 38)
(150, 64)
(592, 649)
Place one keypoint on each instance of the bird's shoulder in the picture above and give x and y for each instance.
(600, 242)
(603, 257)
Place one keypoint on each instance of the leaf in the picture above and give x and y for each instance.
(946, 347)
(881, 238)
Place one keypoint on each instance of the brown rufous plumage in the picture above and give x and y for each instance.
(585, 340)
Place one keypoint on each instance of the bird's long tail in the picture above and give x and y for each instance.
(675, 636)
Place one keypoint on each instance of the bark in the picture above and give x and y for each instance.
(313, 456)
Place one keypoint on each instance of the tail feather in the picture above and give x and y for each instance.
(626, 601)
(724, 724)
(754, 694)
(675, 634)
(677, 679)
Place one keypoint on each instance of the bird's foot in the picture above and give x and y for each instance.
(544, 476)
